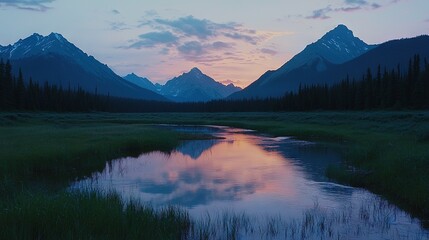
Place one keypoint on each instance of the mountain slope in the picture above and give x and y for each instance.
(141, 82)
(335, 47)
(54, 60)
(195, 86)
(388, 56)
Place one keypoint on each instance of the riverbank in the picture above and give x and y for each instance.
(40, 154)
(386, 152)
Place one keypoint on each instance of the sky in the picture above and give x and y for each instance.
(231, 41)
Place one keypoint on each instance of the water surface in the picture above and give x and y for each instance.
(252, 173)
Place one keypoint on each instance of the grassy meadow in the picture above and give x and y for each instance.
(41, 153)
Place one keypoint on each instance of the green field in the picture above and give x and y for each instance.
(41, 153)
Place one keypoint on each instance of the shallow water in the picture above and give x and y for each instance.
(260, 176)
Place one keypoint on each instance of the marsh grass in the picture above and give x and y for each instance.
(88, 215)
(386, 152)
(373, 218)
(62, 152)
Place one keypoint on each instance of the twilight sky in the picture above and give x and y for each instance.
(228, 40)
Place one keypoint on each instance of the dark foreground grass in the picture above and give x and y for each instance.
(88, 215)
(40, 154)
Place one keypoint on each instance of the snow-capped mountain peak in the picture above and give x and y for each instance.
(195, 86)
(55, 60)
(58, 37)
(37, 44)
(341, 41)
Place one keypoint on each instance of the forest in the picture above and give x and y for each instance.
(384, 89)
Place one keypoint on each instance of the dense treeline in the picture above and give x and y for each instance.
(15, 95)
(381, 90)
(384, 89)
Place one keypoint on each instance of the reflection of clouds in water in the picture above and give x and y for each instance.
(239, 170)
(193, 188)
(244, 173)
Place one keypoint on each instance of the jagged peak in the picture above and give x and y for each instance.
(340, 31)
(36, 35)
(195, 70)
(132, 75)
(57, 36)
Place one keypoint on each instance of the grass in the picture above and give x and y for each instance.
(40, 154)
(88, 215)
(386, 152)
(373, 218)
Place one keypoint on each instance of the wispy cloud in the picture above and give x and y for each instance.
(194, 39)
(320, 13)
(31, 5)
(269, 51)
(358, 2)
(152, 39)
(190, 26)
(347, 7)
(119, 26)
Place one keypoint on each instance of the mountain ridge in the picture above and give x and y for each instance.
(194, 86)
(336, 46)
(388, 55)
(55, 60)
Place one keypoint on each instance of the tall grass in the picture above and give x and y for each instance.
(88, 215)
(373, 218)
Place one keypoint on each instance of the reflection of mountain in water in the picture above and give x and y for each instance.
(195, 149)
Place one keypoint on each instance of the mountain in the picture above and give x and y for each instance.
(141, 82)
(335, 47)
(55, 60)
(195, 86)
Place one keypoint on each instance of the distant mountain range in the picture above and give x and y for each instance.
(193, 86)
(141, 82)
(334, 57)
(335, 47)
(55, 60)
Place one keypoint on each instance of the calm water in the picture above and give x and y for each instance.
(256, 174)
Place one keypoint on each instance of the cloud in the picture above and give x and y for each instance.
(320, 13)
(118, 26)
(198, 40)
(221, 45)
(32, 5)
(114, 11)
(269, 51)
(358, 2)
(192, 48)
(152, 39)
(350, 6)
(244, 37)
(190, 26)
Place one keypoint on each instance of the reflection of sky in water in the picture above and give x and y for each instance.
(243, 172)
